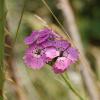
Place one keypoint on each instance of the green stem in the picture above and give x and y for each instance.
(22, 13)
(2, 21)
(71, 86)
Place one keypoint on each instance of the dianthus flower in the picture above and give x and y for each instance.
(35, 57)
(63, 62)
(46, 45)
(41, 36)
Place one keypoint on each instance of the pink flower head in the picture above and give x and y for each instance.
(35, 57)
(48, 36)
(41, 36)
(46, 46)
(69, 57)
(61, 64)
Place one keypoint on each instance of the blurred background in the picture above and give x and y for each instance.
(23, 83)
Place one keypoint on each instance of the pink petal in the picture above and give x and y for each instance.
(42, 39)
(73, 54)
(32, 38)
(32, 62)
(51, 53)
(61, 64)
(61, 45)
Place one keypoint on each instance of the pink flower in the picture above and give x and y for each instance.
(35, 57)
(40, 36)
(69, 57)
(47, 47)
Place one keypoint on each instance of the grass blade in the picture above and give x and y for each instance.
(2, 21)
(22, 13)
(66, 79)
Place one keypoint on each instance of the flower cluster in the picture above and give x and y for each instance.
(46, 46)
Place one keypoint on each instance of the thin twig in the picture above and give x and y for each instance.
(22, 13)
(72, 87)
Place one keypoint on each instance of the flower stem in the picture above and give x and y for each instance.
(22, 13)
(71, 86)
(2, 22)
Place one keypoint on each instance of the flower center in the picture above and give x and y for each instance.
(37, 53)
